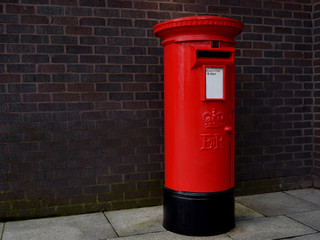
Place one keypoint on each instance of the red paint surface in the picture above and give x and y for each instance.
(199, 133)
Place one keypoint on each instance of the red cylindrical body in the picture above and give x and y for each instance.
(199, 75)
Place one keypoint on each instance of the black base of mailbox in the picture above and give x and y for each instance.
(198, 214)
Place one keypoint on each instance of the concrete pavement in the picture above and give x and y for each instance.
(282, 215)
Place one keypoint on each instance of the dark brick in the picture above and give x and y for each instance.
(93, 21)
(35, 1)
(106, 31)
(20, 48)
(36, 78)
(64, 59)
(64, 2)
(80, 68)
(37, 117)
(22, 68)
(145, 42)
(66, 116)
(64, 40)
(64, 20)
(49, 30)
(34, 39)
(9, 58)
(20, 29)
(134, 68)
(147, 78)
(51, 68)
(120, 59)
(304, 47)
(46, 10)
(144, 23)
(108, 68)
(65, 97)
(146, 60)
(10, 38)
(78, 30)
(48, 107)
(52, 87)
(155, 51)
(80, 106)
(10, 8)
(94, 116)
(80, 87)
(119, 41)
(147, 96)
(102, 12)
(272, 21)
(79, 11)
(6, 18)
(92, 3)
(133, 32)
(293, 23)
(108, 87)
(93, 78)
(36, 97)
(50, 49)
(273, 54)
(94, 97)
(21, 88)
(34, 19)
(133, 14)
(121, 96)
(106, 50)
(92, 59)
(21, 107)
(273, 37)
(119, 4)
(10, 118)
(79, 49)
(35, 58)
(134, 50)
(92, 40)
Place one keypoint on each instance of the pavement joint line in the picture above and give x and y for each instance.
(301, 198)
(302, 222)
(2, 231)
(104, 214)
(302, 235)
(145, 233)
(251, 209)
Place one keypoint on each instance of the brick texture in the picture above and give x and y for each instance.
(316, 93)
(81, 101)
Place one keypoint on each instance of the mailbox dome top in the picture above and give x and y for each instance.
(198, 28)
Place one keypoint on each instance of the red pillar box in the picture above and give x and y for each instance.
(199, 74)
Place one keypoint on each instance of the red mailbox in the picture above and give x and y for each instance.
(199, 74)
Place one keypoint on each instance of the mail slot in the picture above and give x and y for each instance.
(199, 75)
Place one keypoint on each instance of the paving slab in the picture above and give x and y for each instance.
(275, 204)
(136, 221)
(311, 219)
(244, 213)
(308, 194)
(268, 228)
(170, 236)
(315, 236)
(79, 227)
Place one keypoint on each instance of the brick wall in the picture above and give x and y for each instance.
(81, 101)
(316, 79)
(274, 92)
